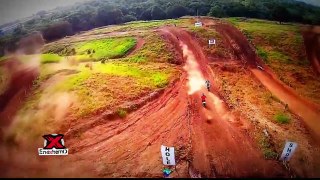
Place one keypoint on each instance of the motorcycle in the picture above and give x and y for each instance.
(204, 104)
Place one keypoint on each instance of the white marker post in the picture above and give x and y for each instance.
(168, 157)
(198, 24)
(288, 151)
(212, 42)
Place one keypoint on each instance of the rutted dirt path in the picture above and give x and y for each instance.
(218, 135)
(140, 43)
(309, 111)
(213, 140)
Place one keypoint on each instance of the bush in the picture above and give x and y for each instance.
(263, 54)
(122, 113)
(269, 154)
(267, 149)
(282, 118)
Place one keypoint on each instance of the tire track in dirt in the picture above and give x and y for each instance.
(220, 134)
(131, 147)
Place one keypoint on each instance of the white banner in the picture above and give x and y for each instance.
(288, 151)
(198, 24)
(212, 41)
(168, 157)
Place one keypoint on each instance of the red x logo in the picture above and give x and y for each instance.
(53, 141)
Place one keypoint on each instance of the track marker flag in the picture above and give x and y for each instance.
(288, 151)
(168, 157)
(212, 41)
(198, 24)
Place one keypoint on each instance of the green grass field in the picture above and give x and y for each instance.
(106, 48)
(281, 47)
(105, 87)
(278, 41)
(138, 25)
(42, 58)
(94, 50)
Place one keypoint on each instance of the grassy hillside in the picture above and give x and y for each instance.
(282, 49)
(68, 89)
(95, 50)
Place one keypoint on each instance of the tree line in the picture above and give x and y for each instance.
(96, 13)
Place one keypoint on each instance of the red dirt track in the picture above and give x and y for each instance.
(309, 111)
(211, 141)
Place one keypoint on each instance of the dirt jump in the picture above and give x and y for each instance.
(309, 111)
(211, 141)
(311, 37)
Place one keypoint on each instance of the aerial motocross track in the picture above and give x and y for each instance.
(209, 142)
(212, 142)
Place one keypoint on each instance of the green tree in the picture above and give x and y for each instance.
(176, 11)
(128, 18)
(146, 15)
(217, 11)
(19, 30)
(57, 31)
(109, 15)
(157, 13)
(280, 14)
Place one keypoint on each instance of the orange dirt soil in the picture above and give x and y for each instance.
(309, 111)
(211, 141)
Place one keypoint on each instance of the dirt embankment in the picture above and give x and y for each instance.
(309, 111)
(19, 85)
(311, 37)
(211, 141)
(218, 136)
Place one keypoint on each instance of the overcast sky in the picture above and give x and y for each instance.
(11, 10)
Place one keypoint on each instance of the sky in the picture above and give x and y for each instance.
(11, 10)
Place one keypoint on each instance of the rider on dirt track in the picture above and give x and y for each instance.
(208, 85)
(203, 99)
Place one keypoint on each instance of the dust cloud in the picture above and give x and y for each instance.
(196, 79)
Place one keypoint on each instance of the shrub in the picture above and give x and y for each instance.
(282, 118)
(122, 113)
(263, 54)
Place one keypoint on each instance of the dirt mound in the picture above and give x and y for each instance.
(140, 43)
(20, 83)
(239, 43)
(311, 37)
(245, 52)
